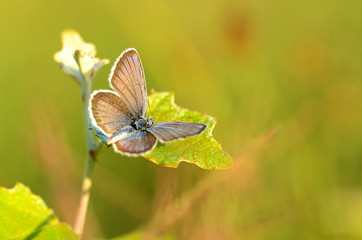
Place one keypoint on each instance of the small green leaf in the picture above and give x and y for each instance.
(202, 150)
(57, 232)
(24, 215)
(70, 59)
(21, 212)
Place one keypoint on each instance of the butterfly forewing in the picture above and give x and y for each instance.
(128, 79)
(138, 143)
(168, 131)
(108, 111)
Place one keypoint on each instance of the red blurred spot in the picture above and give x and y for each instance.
(238, 30)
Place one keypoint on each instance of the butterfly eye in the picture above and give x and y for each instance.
(149, 121)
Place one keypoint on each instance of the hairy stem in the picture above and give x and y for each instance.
(91, 146)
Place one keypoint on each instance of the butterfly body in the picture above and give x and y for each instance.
(120, 114)
(143, 123)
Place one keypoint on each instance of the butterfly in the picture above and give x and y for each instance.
(121, 114)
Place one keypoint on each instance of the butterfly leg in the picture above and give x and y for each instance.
(100, 135)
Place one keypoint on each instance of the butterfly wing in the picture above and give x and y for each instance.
(108, 112)
(128, 79)
(168, 131)
(137, 143)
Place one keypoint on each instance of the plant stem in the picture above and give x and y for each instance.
(91, 146)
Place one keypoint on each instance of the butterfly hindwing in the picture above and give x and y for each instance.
(168, 131)
(138, 143)
(128, 79)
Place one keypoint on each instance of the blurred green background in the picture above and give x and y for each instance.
(291, 66)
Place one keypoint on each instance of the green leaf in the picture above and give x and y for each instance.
(202, 150)
(57, 232)
(24, 215)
